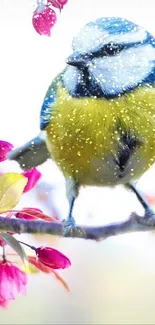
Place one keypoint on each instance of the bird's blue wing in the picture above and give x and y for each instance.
(48, 104)
(46, 110)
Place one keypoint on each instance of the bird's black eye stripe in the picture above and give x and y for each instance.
(109, 49)
(112, 48)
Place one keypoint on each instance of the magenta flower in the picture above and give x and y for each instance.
(52, 258)
(5, 147)
(57, 3)
(33, 176)
(44, 18)
(12, 282)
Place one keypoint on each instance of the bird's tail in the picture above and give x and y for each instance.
(31, 154)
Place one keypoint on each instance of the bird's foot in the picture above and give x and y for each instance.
(149, 218)
(71, 230)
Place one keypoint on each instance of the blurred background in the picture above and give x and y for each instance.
(112, 281)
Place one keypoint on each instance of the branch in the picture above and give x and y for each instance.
(133, 224)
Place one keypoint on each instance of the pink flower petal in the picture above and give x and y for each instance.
(2, 242)
(21, 280)
(44, 18)
(33, 176)
(33, 214)
(52, 258)
(5, 147)
(8, 288)
(4, 303)
(57, 3)
(36, 262)
(28, 213)
(12, 282)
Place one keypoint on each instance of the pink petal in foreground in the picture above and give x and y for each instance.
(33, 176)
(3, 303)
(5, 147)
(52, 258)
(12, 282)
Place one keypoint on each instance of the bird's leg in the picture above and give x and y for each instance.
(149, 216)
(70, 227)
(70, 220)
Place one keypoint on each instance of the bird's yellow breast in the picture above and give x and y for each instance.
(84, 134)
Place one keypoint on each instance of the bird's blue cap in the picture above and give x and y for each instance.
(114, 25)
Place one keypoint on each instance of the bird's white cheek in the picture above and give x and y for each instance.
(123, 71)
(71, 78)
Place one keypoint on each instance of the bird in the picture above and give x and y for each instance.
(97, 120)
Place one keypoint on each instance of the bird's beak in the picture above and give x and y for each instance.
(78, 60)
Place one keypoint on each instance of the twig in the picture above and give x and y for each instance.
(133, 224)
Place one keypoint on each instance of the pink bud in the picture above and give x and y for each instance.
(33, 176)
(28, 213)
(52, 258)
(57, 3)
(44, 18)
(33, 214)
(5, 147)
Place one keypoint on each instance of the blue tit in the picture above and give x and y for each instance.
(98, 115)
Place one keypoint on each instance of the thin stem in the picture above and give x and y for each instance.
(32, 247)
(4, 254)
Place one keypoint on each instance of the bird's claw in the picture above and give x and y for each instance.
(71, 230)
(149, 218)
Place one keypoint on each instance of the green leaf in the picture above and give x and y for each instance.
(11, 188)
(15, 245)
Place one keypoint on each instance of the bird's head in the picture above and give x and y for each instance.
(110, 57)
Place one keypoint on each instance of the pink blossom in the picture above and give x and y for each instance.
(12, 282)
(52, 258)
(44, 18)
(5, 147)
(57, 3)
(33, 176)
